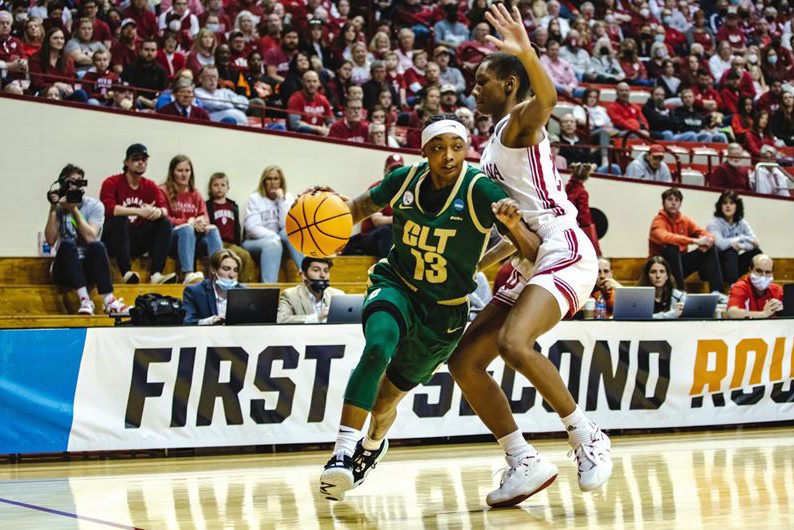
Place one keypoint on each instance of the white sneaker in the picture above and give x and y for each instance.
(131, 277)
(593, 461)
(116, 305)
(86, 307)
(525, 476)
(162, 278)
(193, 277)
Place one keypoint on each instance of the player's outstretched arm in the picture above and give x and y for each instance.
(528, 116)
(525, 240)
(362, 207)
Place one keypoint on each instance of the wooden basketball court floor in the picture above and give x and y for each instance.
(727, 479)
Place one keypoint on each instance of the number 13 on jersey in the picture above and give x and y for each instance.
(427, 247)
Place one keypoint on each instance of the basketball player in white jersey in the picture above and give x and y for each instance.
(519, 157)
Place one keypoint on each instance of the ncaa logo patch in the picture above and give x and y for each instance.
(458, 205)
(408, 198)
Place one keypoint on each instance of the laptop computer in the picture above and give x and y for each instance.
(788, 301)
(345, 309)
(633, 303)
(700, 305)
(251, 306)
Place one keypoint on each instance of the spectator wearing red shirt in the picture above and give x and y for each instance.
(415, 79)
(145, 19)
(755, 295)
(729, 174)
(758, 136)
(225, 214)
(730, 92)
(171, 60)
(732, 33)
(578, 195)
(707, 98)
(272, 36)
(12, 53)
(746, 86)
(350, 128)
(193, 235)
(472, 52)
(203, 51)
(183, 106)
(772, 98)
(51, 66)
(180, 19)
(136, 218)
(309, 111)
(671, 234)
(627, 116)
(277, 59)
(125, 50)
(99, 80)
(102, 33)
(224, 23)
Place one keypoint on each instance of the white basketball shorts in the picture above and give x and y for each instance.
(566, 267)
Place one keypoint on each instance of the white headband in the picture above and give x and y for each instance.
(442, 127)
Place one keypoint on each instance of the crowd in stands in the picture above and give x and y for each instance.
(134, 215)
(371, 72)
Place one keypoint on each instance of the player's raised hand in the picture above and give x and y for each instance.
(507, 212)
(510, 27)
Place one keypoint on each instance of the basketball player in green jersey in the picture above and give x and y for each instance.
(417, 307)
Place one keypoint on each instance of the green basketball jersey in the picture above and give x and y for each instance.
(436, 254)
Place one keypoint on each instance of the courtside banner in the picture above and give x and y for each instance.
(194, 387)
(134, 388)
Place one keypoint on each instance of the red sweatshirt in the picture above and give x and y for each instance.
(184, 206)
(116, 191)
(627, 116)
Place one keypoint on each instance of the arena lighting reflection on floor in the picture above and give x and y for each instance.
(716, 480)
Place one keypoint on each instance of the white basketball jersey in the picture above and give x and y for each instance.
(529, 176)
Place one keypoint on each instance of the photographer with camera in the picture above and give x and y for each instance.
(74, 226)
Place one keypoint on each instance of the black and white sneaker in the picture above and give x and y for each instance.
(365, 461)
(337, 478)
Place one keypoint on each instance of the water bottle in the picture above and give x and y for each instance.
(601, 309)
(44, 247)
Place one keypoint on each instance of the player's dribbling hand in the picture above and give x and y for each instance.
(322, 189)
(510, 27)
(507, 212)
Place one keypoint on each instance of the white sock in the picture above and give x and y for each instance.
(371, 444)
(346, 440)
(514, 444)
(82, 292)
(578, 427)
(108, 298)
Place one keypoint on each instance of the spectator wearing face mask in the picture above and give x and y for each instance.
(731, 174)
(755, 295)
(308, 302)
(205, 302)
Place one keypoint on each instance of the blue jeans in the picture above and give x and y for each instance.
(269, 250)
(610, 169)
(712, 137)
(688, 136)
(186, 243)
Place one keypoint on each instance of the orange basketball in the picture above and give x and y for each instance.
(319, 224)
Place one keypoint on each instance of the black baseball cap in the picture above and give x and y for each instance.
(137, 149)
